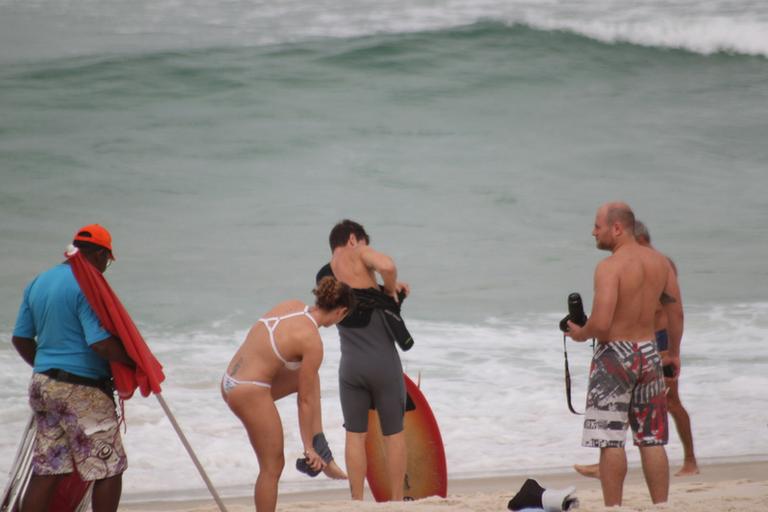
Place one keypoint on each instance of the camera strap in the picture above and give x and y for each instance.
(568, 381)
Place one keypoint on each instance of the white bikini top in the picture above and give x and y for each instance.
(290, 365)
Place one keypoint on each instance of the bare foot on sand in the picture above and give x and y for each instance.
(332, 470)
(689, 468)
(591, 471)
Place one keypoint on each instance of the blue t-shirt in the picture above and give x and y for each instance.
(55, 312)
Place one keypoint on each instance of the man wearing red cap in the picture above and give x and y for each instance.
(59, 335)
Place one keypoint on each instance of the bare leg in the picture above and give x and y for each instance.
(683, 424)
(269, 452)
(106, 494)
(256, 409)
(287, 382)
(589, 470)
(39, 492)
(656, 471)
(356, 463)
(394, 446)
(613, 470)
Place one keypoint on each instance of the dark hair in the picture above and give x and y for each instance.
(341, 231)
(88, 247)
(331, 294)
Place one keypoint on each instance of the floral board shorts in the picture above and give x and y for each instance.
(77, 427)
(626, 388)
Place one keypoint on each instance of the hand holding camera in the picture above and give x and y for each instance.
(575, 312)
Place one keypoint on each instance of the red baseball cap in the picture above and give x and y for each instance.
(96, 234)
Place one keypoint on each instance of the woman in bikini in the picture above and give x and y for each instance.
(281, 355)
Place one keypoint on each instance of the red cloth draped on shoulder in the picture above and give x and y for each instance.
(148, 373)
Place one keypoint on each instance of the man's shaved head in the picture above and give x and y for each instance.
(621, 213)
(607, 218)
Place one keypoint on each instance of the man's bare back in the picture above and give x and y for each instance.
(639, 275)
(348, 266)
(356, 265)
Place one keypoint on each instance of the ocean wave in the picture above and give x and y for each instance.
(704, 36)
(43, 29)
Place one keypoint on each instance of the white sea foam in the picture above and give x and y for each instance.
(495, 388)
(93, 27)
(697, 34)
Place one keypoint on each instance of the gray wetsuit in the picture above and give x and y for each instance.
(371, 376)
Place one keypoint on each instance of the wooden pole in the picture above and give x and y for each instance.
(191, 452)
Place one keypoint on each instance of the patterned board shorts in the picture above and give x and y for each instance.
(76, 428)
(626, 387)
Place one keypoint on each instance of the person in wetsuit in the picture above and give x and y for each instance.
(370, 372)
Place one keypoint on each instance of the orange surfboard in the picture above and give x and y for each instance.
(426, 472)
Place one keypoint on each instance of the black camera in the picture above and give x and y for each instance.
(575, 312)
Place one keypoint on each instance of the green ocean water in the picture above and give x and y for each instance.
(475, 156)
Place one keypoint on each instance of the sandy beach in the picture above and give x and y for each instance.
(720, 487)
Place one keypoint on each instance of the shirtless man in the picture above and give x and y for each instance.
(370, 372)
(666, 329)
(626, 385)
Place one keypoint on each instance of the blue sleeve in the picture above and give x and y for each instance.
(92, 328)
(25, 323)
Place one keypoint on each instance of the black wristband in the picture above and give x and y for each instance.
(320, 444)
